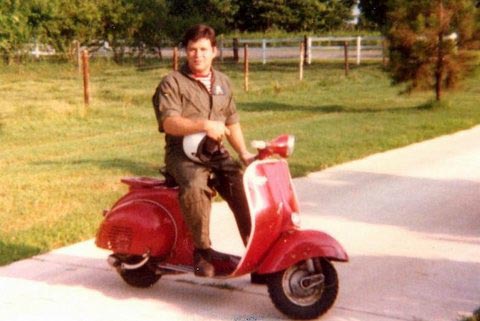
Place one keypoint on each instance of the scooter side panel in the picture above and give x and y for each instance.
(137, 227)
(271, 201)
(166, 201)
(299, 245)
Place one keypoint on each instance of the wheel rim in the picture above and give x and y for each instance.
(297, 289)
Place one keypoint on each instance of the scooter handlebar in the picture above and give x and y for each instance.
(259, 144)
(281, 146)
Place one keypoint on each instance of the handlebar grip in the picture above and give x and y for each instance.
(259, 144)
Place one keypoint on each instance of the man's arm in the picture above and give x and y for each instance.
(180, 126)
(237, 141)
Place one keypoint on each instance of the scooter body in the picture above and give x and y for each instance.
(146, 232)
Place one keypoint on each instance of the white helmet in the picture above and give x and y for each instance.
(192, 144)
(202, 149)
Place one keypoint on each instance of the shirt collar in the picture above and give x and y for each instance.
(187, 72)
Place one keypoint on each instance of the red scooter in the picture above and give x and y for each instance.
(147, 234)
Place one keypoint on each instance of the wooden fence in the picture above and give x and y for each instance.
(371, 47)
(297, 48)
(304, 49)
(265, 50)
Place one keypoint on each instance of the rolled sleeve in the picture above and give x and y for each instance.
(169, 100)
(233, 116)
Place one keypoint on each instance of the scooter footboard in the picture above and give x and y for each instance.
(296, 246)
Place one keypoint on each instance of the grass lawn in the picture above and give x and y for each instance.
(61, 164)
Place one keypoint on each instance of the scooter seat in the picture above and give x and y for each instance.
(143, 182)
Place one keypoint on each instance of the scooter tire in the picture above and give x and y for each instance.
(288, 296)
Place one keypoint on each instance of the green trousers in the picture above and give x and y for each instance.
(197, 185)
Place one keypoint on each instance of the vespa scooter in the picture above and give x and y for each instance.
(147, 234)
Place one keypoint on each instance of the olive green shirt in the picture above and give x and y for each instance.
(180, 94)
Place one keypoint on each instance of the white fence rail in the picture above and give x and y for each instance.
(315, 48)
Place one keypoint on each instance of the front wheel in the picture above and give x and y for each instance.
(301, 293)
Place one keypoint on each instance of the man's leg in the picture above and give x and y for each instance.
(230, 187)
(195, 202)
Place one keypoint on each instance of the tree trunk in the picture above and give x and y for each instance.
(440, 56)
(141, 55)
(159, 51)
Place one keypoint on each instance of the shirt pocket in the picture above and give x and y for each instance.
(194, 106)
(220, 107)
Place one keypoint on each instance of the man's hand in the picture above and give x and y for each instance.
(216, 129)
(180, 126)
(246, 157)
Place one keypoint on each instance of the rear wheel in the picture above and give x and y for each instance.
(142, 277)
(303, 294)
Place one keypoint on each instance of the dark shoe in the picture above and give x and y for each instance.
(202, 263)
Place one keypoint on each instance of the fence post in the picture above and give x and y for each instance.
(302, 59)
(264, 51)
(175, 58)
(235, 49)
(308, 50)
(305, 48)
(141, 54)
(345, 45)
(86, 79)
(245, 66)
(79, 56)
(220, 47)
(359, 49)
(159, 52)
(36, 51)
(384, 52)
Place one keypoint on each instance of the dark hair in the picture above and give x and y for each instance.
(197, 32)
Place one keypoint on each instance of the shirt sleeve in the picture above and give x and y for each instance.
(233, 116)
(169, 99)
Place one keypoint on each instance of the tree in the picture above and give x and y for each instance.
(80, 20)
(183, 14)
(338, 13)
(426, 41)
(374, 12)
(119, 23)
(41, 16)
(153, 24)
(13, 29)
(270, 14)
(293, 15)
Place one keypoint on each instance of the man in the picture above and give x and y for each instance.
(199, 99)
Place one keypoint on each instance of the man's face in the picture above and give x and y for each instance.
(200, 55)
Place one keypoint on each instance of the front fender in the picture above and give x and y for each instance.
(299, 245)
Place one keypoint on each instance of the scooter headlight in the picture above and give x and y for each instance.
(282, 145)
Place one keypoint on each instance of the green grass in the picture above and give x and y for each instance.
(61, 164)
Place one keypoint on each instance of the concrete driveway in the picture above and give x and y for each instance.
(409, 218)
